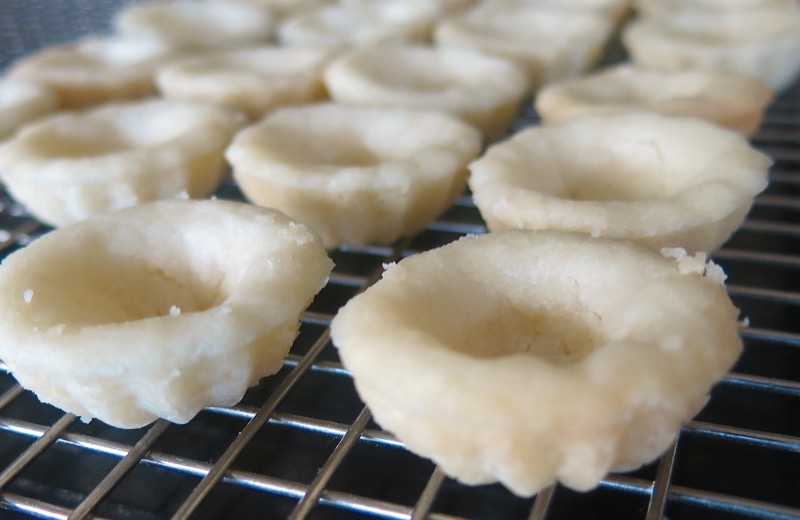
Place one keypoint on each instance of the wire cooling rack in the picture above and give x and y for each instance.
(301, 444)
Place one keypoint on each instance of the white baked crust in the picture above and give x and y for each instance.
(723, 24)
(722, 6)
(282, 8)
(68, 166)
(529, 357)
(443, 8)
(549, 43)
(197, 25)
(254, 80)
(145, 313)
(614, 9)
(361, 23)
(661, 181)
(769, 52)
(95, 70)
(483, 90)
(22, 102)
(356, 175)
(728, 99)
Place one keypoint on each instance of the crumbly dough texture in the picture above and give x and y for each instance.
(72, 165)
(527, 357)
(197, 25)
(145, 313)
(95, 70)
(255, 80)
(548, 43)
(483, 90)
(769, 52)
(361, 23)
(728, 99)
(356, 175)
(661, 181)
(22, 102)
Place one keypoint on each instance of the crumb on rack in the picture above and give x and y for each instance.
(745, 322)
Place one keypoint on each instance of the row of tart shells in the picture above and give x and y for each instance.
(77, 164)
(548, 40)
(548, 43)
(371, 175)
(123, 66)
(50, 166)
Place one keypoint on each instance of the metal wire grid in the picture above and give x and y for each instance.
(302, 445)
